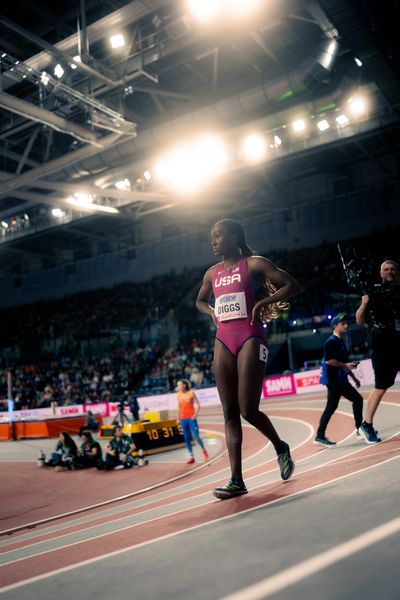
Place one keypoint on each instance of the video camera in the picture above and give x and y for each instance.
(360, 269)
(361, 273)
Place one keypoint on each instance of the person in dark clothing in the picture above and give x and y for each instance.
(336, 370)
(119, 451)
(64, 453)
(90, 452)
(380, 312)
(91, 423)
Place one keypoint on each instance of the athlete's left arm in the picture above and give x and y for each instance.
(285, 284)
(196, 405)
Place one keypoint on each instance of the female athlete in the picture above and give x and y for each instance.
(188, 407)
(245, 295)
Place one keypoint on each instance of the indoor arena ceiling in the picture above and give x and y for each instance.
(78, 116)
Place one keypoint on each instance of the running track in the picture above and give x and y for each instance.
(167, 508)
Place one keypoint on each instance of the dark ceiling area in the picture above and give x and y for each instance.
(108, 112)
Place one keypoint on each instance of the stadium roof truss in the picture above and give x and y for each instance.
(81, 123)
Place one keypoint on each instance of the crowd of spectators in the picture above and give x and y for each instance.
(68, 377)
(78, 380)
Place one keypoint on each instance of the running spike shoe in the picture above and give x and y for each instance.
(230, 490)
(321, 440)
(369, 433)
(190, 460)
(286, 463)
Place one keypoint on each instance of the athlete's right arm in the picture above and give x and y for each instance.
(202, 302)
(362, 311)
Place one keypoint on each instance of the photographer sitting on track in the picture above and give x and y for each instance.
(118, 451)
(380, 311)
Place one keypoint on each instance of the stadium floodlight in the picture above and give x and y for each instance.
(58, 71)
(147, 175)
(123, 184)
(189, 167)
(76, 59)
(57, 212)
(26, 216)
(342, 120)
(277, 141)
(254, 148)
(204, 10)
(85, 202)
(357, 106)
(44, 78)
(117, 41)
(323, 125)
(4, 224)
(299, 125)
(358, 62)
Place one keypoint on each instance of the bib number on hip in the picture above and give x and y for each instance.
(263, 353)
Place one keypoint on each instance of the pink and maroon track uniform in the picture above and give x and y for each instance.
(235, 293)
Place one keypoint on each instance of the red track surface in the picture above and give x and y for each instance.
(56, 493)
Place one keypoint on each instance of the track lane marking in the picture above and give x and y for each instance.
(288, 577)
(176, 533)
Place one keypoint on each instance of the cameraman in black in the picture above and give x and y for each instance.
(380, 311)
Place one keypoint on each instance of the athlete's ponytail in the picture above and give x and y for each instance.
(270, 311)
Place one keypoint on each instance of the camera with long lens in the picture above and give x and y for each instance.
(384, 302)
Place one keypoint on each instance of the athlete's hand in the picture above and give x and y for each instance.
(364, 299)
(255, 315)
(350, 366)
(357, 382)
(214, 318)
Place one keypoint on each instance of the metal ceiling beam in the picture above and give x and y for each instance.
(72, 188)
(41, 115)
(120, 18)
(57, 164)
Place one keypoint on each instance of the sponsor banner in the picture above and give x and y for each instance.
(282, 385)
(308, 381)
(32, 414)
(100, 408)
(207, 397)
(73, 410)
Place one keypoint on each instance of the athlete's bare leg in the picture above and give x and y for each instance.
(374, 399)
(251, 371)
(225, 369)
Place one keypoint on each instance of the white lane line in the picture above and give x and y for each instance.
(118, 498)
(179, 503)
(176, 533)
(174, 492)
(288, 577)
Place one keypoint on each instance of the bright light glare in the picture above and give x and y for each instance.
(44, 78)
(323, 125)
(277, 141)
(243, 7)
(189, 167)
(204, 10)
(5, 224)
(85, 202)
(57, 212)
(358, 106)
(254, 148)
(358, 62)
(58, 71)
(147, 175)
(117, 41)
(299, 125)
(342, 120)
(124, 184)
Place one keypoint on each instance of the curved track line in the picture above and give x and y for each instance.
(169, 535)
(118, 498)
